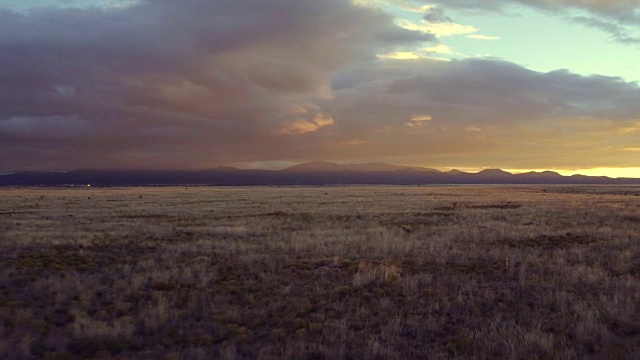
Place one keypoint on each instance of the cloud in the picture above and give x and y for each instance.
(619, 18)
(491, 90)
(483, 37)
(618, 32)
(419, 120)
(437, 29)
(485, 112)
(615, 17)
(436, 15)
(307, 126)
(401, 55)
(28, 5)
(197, 83)
(431, 52)
(621, 9)
(402, 4)
(45, 126)
(169, 83)
(438, 49)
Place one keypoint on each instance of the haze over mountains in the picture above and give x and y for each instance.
(312, 173)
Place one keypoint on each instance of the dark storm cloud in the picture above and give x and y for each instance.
(180, 82)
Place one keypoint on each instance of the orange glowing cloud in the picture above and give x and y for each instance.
(303, 126)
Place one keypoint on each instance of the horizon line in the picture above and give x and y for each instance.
(611, 172)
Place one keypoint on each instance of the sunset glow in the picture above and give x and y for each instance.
(198, 83)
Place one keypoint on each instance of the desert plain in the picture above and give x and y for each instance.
(361, 272)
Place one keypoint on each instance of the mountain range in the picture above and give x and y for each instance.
(312, 173)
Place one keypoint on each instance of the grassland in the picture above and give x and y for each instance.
(467, 272)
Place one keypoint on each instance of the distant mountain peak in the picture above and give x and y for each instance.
(546, 173)
(326, 166)
(494, 172)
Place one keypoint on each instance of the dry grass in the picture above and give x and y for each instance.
(339, 272)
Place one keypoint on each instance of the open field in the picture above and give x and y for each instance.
(520, 272)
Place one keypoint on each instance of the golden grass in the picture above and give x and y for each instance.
(469, 272)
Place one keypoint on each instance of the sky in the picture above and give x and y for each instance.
(192, 84)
